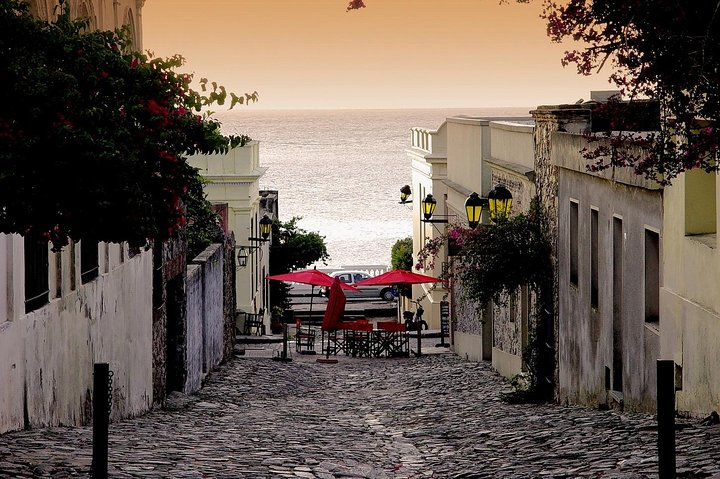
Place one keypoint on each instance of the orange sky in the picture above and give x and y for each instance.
(392, 54)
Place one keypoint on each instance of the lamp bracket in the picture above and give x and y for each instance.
(247, 247)
(435, 220)
(260, 240)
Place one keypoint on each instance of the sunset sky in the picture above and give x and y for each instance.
(392, 54)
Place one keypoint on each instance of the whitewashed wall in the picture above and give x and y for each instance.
(205, 321)
(47, 356)
(194, 338)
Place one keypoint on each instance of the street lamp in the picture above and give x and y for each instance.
(405, 193)
(473, 208)
(500, 201)
(243, 251)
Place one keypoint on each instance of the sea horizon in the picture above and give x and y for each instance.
(341, 170)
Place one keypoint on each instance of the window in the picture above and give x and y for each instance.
(652, 276)
(88, 260)
(700, 212)
(36, 275)
(574, 244)
(594, 276)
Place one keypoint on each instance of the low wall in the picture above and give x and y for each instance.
(47, 356)
(205, 338)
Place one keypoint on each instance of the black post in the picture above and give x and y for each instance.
(101, 416)
(666, 418)
(419, 336)
(285, 339)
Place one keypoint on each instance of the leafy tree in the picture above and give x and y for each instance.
(292, 248)
(401, 257)
(401, 254)
(661, 50)
(93, 136)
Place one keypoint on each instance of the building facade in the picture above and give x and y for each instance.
(233, 180)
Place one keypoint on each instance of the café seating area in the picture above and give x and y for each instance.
(362, 338)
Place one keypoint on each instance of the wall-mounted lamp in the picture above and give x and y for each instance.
(244, 251)
(265, 229)
(405, 193)
(499, 201)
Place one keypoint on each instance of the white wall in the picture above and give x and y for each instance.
(47, 356)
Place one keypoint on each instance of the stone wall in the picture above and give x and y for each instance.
(549, 119)
(229, 304)
(168, 330)
(194, 339)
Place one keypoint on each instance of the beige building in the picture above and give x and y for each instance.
(233, 179)
(466, 155)
(689, 300)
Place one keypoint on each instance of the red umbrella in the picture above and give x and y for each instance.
(335, 306)
(333, 311)
(398, 276)
(312, 277)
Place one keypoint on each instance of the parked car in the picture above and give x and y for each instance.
(351, 277)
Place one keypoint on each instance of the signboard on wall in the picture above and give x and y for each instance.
(444, 317)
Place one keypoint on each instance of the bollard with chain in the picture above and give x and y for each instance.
(102, 402)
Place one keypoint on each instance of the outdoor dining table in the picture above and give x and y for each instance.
(361, 339)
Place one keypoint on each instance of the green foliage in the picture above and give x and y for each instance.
(401, 254)
(401, 257)
(292, 248)
(93, 136)
(203, 221)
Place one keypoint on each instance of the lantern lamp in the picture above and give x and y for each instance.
(499, 202)
(405, 193)
(474, 207)
(428, 206)
(242, 257)
(265, 226)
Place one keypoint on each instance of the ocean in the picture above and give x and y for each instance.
(341, 171)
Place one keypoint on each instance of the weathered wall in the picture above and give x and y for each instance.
(204, 343)
(549, 119)
(689, 299)
(47, 356)
(229, 296)
(585, 333)
(213, 327)
(194, 339)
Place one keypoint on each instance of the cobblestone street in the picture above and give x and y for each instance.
(436, 416)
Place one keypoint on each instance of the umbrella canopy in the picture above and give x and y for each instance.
(312, 277)
(335, 306)
(398, 276)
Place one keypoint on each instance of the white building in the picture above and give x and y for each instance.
(233, 179)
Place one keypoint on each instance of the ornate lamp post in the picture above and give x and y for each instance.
(405, 193)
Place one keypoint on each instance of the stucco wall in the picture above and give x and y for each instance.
(194, 338)
(211, 261)
(47, 356)
(690, 304)
(205, 340)
(585, 334)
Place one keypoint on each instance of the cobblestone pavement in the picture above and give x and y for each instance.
(436, 416)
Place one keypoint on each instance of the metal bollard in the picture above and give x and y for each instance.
(101, 418)
(666, 418)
